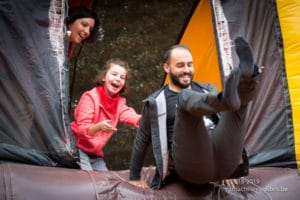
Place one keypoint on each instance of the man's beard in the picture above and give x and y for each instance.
(175, 80)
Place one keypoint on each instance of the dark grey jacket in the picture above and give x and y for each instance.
(153, 130)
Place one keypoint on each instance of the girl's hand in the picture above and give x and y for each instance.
(106, 127)
(102, 126)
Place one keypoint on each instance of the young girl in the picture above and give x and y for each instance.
(98, 113)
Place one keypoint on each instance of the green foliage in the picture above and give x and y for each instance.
(139, 32)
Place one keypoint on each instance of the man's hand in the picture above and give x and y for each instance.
(230, 182)
(139, 183)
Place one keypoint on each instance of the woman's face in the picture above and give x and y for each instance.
(80, 30)
(114, 79)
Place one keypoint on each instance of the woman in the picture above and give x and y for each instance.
(82, 24)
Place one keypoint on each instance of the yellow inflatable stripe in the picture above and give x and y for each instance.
(289, 17)
(200, 36)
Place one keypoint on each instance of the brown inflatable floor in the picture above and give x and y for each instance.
(27, 182)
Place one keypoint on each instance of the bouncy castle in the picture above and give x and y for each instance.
(38, 154)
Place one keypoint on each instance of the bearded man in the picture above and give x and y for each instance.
(195, 131)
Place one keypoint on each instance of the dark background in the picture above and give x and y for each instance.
(139, 32)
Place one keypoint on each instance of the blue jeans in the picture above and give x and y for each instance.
(90, 163)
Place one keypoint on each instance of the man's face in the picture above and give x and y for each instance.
(180, 68)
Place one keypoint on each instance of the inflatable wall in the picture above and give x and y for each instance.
(34, 122)
(271, 27)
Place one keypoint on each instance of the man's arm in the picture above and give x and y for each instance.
(141, 142)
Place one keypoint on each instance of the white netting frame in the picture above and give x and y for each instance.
(57, 34)
(56, 30)
(223, 35)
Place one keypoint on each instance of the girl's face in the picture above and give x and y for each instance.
(114, 79)
(80, 30)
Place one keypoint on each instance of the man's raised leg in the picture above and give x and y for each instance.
(200, 157)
